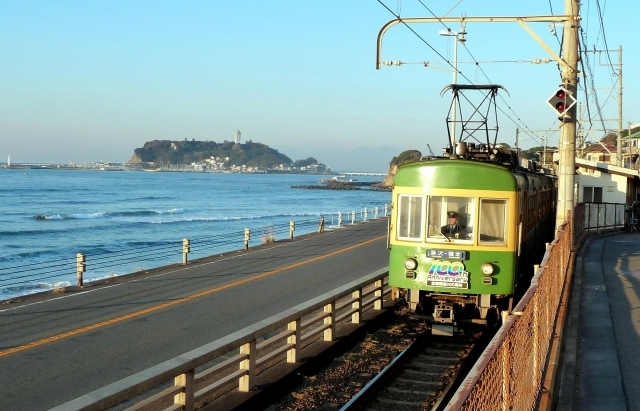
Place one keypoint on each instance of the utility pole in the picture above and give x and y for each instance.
(566, 181)
(619, 148)
(619, 158)
(580, 132)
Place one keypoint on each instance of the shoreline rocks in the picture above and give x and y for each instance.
(334, 185)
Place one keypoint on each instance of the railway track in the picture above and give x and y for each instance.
(401, 366)
(420, 377)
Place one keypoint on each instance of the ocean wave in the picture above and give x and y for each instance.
(28, 232)
(24, 289)
(229, 218)
(104, 214)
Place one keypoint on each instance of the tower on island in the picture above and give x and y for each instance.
(237, 137)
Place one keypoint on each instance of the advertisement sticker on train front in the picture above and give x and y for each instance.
(451, 274)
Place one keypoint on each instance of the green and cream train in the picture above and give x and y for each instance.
(505, 216)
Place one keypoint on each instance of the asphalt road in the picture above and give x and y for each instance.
(56, 348)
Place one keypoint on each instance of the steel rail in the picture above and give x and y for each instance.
(365, 390)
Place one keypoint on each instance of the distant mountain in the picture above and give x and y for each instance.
(187, 152)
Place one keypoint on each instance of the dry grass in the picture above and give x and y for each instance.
(268, 235)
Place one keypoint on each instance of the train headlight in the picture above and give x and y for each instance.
(487, 268)
(410, 264)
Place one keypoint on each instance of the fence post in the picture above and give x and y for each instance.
(375, 212)
(292, 228)
(321, 225)
(186, 398)
(293, 353)
(247, 237)
(364, 216)
(385, 210)
(186, 248)
(81, 267)
(506, 375)
(357, 304)
(330, 309)
(535, 327)
(339, 218)
(353, 217)
(247, 382)
(377, 305)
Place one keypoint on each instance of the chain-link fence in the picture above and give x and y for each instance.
(508, 375)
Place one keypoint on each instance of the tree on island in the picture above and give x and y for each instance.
(187, 152)
(408, 156)
(304, 163)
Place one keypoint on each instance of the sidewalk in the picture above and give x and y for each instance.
(601, 365)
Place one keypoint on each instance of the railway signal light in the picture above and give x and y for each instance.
(561, 101)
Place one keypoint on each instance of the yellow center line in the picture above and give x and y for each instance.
(174, 302)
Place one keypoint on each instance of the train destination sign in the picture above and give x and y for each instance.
(448, 254)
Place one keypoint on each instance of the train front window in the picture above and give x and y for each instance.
(451, 218)
(410, 217)
(493, 219)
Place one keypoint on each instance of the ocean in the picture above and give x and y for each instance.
(126, 221)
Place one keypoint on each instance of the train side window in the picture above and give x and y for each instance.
(410, 217)
(493, 221)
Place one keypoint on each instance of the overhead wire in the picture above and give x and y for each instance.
(597, 103)
(522, 124)
(604, 36)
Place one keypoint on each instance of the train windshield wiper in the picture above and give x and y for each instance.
(445, 236)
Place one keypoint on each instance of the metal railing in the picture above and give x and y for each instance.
(590, 217)
(233, 362)
(86, 267)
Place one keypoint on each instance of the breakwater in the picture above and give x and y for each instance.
(339, 185)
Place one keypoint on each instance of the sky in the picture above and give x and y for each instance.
(88, 81)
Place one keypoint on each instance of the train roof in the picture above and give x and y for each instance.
(466, 174)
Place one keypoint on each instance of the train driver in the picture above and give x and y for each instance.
(453, 229)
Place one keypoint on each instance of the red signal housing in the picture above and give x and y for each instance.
(561, 101)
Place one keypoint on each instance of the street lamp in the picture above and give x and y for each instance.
(459, 37)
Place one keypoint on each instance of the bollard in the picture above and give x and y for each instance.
(364, 216)
(292, 228)
(321, 225)
(339, 218)
(81, 267)
(375, 212)
(186, 249)
(353, 217)
(247, 237)
(385, 210)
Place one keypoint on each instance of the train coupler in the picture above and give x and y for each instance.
(443, 314)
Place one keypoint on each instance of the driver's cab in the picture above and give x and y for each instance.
(450, 219)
